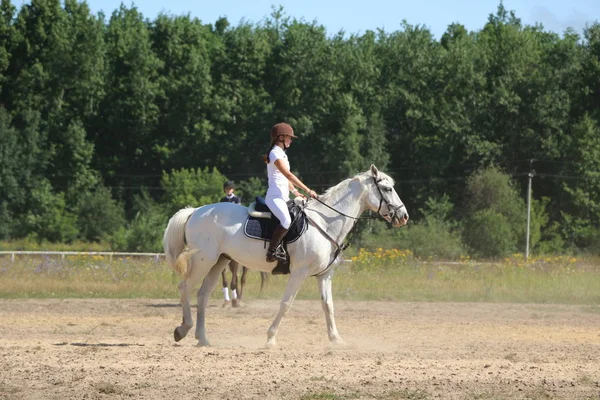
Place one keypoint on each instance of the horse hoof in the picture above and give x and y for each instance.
(270, 344)
(226, 304)
(203, 344)
(176, 335)
(238, 304)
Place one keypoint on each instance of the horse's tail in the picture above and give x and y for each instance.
(174, 240)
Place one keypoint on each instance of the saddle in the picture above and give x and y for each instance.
(261, 223)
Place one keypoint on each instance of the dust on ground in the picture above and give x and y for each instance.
(117, 349)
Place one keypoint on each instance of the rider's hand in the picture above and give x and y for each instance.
(312, 194)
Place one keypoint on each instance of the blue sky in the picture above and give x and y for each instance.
(355, 16)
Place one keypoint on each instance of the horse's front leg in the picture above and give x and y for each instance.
(226, 299)
(327, 304)
(296, 278)
(209, 284)
(182, 330)
(242, 282)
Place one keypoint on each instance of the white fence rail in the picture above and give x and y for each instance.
(110, 255)
(62, 254)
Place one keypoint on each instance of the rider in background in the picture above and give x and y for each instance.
(230, 197)
(281, 182)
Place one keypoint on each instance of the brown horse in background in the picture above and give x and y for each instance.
(236, 295)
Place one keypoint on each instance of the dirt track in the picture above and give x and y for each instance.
(95, 349)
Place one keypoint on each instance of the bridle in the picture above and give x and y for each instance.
(392, 211)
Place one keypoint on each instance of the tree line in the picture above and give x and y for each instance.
(110, 123)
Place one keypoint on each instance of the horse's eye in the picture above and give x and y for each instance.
(387, 189)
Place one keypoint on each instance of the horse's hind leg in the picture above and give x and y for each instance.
(182, 330)
(185, 286)
(327, 304)
(209, 284)
(296, 278)
(197, 270)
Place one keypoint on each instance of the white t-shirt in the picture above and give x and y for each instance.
(278, 183)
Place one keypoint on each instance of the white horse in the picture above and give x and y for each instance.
(214, 235)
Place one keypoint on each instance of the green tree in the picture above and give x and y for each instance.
(12, 194)
(584, 190)
(241, 107)
(184, 92)
(193, 187)
(249, 188)
(79, 91)
(125, 148)
(7, 38)
(54, 72)
(409, 61)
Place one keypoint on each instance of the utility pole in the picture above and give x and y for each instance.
(531, 174)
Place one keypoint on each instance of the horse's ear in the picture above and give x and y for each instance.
(374, 171)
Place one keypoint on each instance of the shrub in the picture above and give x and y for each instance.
(98, 214)
(47, 217)
(144, 233)
(496, 215)
(433, 238)
(490, 234)
(193, 187)
(436, 235)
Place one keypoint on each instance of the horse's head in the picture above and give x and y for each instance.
(383, 199)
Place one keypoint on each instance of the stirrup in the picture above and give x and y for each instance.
(277, 253)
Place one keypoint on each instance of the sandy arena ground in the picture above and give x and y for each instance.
(100, 349)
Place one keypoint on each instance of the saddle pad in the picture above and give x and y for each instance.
(261, 228)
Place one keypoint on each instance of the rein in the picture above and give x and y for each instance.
(346, 215)
(342, 247)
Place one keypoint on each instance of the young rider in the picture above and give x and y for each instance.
(281, 182)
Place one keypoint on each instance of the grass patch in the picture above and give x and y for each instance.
(557, 280)
(86, 277)
(28, 244)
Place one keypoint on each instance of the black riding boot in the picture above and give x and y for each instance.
(276, 251)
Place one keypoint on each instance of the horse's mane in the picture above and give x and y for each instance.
(362, 176)
(325, 196)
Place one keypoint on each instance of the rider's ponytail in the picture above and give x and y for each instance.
(265, 157)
